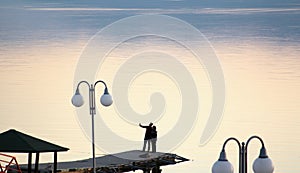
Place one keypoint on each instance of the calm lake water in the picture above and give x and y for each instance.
(257, 46)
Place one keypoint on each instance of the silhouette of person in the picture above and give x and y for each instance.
(153, 138)
(147, 137)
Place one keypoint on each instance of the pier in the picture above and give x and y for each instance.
(124, 162)
(17, 142)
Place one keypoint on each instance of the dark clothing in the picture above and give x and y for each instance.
(153, 138)
(148, 132)
(153, 133)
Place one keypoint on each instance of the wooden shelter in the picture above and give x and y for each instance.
(16, 142)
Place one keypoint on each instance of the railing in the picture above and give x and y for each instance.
(8, 162)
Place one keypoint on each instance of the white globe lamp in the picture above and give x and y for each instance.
(106, 99)
(77, 99)
(263, 165)
(222, 167)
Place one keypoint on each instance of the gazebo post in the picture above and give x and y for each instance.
(36, 165)
(55, 163)
(29, 162)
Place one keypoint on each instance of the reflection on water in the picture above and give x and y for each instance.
(257, 48)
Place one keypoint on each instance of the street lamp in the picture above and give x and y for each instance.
(262, 164)
(106, 100)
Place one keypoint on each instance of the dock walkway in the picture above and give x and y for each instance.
(124, 162)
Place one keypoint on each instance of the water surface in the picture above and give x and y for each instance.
(257, 46)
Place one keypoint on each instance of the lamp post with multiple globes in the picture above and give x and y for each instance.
(106, 100)
(262, 164)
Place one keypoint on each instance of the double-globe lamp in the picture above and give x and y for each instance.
(105, 100)
(263, 164)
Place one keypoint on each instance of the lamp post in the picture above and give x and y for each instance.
(262, 164)
(106, 100)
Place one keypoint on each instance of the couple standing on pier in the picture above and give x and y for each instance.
(150, 137)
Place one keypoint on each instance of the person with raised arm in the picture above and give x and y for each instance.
(147, 137)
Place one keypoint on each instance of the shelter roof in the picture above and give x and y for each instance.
(18, 142)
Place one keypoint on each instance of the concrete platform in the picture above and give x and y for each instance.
(123, 162)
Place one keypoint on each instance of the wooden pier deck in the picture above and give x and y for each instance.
(124, 162)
